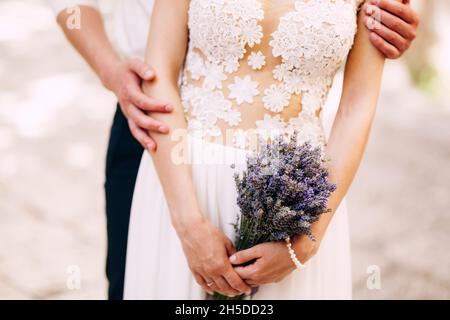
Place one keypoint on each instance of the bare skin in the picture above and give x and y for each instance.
(396, 29)
(393, 36)
(345, 148)
(207, 249)
(151, 119)
(123, 77)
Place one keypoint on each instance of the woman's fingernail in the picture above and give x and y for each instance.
(169, 107)
(210, 293)
(148, 74)
(233, 258)
(163, 129)
(249, 292)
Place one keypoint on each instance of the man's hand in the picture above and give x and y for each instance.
(124, 78)
(126, 84)
(393, 25)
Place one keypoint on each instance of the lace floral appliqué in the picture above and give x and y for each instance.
(312, 40)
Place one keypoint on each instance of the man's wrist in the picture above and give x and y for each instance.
(107, 70)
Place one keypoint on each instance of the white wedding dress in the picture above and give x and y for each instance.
(252, 67)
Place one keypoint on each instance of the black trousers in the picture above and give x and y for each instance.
(122, 165)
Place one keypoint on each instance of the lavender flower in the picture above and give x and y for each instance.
(283, 191)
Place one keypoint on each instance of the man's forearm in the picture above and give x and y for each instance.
(92, 42)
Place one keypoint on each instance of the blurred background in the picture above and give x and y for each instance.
(54, 125)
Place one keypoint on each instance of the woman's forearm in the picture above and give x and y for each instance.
(173, 169)
(344, 150)
(353, 122)
(166, 50)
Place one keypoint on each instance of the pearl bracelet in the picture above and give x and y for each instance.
(294, 258)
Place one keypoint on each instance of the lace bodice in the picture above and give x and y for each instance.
(262, 66)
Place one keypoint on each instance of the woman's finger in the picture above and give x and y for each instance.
(247, 273)
(224, 288)
(212, 287)
(252, 283)
(203, 283)
(236, 282)
(245, 256)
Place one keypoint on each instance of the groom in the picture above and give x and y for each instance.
(121, 70)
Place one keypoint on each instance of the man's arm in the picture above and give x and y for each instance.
(124, 78)
(393, 28)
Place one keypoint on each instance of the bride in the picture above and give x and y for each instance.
(249, 68)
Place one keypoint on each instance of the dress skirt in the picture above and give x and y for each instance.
(156, 267)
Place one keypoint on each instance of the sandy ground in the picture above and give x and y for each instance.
(54, 123)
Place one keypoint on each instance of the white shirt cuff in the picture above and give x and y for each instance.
(60, 5)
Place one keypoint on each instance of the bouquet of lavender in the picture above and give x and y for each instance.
(284, 189)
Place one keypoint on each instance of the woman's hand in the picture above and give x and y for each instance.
(207, 250)
(271, 261)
